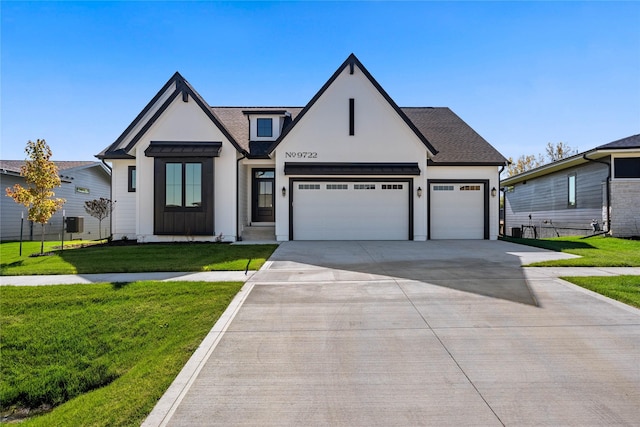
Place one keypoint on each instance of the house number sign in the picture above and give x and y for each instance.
(301, 155)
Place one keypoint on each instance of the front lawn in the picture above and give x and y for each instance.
(596, 251)
(100, 354)
(621, 288)
(133, 258)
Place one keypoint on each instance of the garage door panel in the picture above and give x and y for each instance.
(457, 211)
(350, 211)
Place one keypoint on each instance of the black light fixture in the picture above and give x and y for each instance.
(284, 191)
(419, 191)
(494, 192)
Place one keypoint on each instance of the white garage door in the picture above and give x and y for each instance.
(350, 211)
(457, 211)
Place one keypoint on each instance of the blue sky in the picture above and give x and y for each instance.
(520, 73)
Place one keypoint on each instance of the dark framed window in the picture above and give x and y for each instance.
(131, 180)
(626, 167)
(571, 194)
(183, 185)
(265, 127)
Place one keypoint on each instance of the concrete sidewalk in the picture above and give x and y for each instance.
(70, 279)
(412, 333)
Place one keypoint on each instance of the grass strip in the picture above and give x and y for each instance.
(102, 354)
(596, 251)
(133, 258)
(625, 289)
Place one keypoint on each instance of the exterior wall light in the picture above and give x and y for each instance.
(284, 191)
(494, 192)
(419, 191)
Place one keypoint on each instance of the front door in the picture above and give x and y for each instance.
(263, 205)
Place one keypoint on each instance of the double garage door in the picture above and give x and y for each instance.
(380, 210)
(351, 210)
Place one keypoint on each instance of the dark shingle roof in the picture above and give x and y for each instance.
(455, 140)
(235, 121)
(624, 143)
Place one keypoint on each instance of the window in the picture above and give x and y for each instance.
(337, 186)
(183, 185)
(626, 167)
(469, 188)
(364, 187)
(443, 188)
(265, 127)
(571, 202)
(308, 186)
(131, 179)
(392, 186)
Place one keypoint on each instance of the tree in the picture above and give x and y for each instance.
(559, 151)
(523, 164)
(99, 208)
(41, 176)
(554, 152)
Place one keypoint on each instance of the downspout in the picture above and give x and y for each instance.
(584, 156)
(244, 156)
(110, 198)
(505, 201)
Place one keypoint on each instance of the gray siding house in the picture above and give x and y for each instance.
(81, 181)
(597, 190)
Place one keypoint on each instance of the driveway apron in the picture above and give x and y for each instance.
(415, 333)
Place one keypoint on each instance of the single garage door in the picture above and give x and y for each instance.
(457, 211)
(350, 210)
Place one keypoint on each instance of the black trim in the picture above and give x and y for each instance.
(183, 149)
(131, 181)
(182, 88)
(255, 217)
(265, 112)
(409, 182)
(484, 182)
(352, 130)
(303, 168)
(432, 163)
(353, 61)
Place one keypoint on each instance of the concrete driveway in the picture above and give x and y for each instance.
(411, 333)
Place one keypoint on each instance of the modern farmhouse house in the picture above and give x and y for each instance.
(350, 165)
(600, 187)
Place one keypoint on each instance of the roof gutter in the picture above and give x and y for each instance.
(584, 156)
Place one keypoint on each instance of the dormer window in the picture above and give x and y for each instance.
(265, 128)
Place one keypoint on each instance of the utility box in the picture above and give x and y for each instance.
(516, 232)
(75, 224)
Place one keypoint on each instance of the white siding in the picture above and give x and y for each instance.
(380, 136)
(124, 212)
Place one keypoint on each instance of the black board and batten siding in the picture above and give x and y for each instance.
(546, 199)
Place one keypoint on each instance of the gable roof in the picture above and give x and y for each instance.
(628, 143)
(352, 62)
(177, 85)
(448, 138)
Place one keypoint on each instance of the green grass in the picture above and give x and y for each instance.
(101, 354)
(621, 288)
(133, 258)
(596, 251)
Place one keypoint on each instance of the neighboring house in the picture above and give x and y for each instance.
(565, 197)
(81, 181)
(350, 165)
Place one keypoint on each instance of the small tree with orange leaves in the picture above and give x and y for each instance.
(41, 176)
